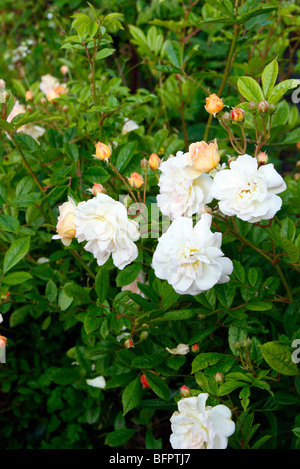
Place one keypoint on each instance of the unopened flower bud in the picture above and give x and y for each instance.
(154, 161)
(185, 391)
(195, 348)
(127, 201)
(298, 164)
(252, 106)
(103, 151)
(237, 114)
(218, 377)
(28, 95)
(3, 341)
(272, 108)
(214, 104)
(263, 107)
(262, 158)
(237, 345)
(136, 180)
(64, 69)
(65, 108)
(298, 145)
(29, 108)
(2, 85)
(144, 381)
(247, 343)
(128, 343)
(226, 119)
(144, 335)
(144, 164)
(43, 101)
(97, 189)
(297, 176)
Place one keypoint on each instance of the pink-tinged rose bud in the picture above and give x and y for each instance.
(103, 151)
(298, 145)
(263, 106)
(154, 161)
(65, 108)
(252, 106)
(4, 96)
(262, 158)
(214, 104)
(195, 348)
(226, 119)
(96, 189)
(29, 95)
(64, 69)
(136, 180)
(3, 341)
(297, 176)
(204, 157)
(2, 85)
(144, 164)
(219, 377)
(65, 223)
(128, 343)
(185, 391)
(237, 115)
(43, 101)
(144, 381)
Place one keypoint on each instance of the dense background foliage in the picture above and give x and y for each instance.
(154, 62)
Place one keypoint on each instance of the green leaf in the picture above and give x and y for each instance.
(125, 155)
(203, 360)
(16, 278)
(279, 358)
(9, 223)
(102, 284)
(132, 395)
(64, 376)
(18, 316)
(96, 174)
(250, 89)
(15, 253)
(119, 437)
(102, 54)
(158, 385)
(268, 77)
(292, 137)
(174, 53)
(281, 89)
(51, 291)
(92, 321)
(128, 275)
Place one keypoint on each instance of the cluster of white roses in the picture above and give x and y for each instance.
(189, 257)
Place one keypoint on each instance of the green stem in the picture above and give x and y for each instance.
(225, 76)
(81, 261)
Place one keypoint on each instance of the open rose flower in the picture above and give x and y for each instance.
(65, 224)
(51, 87)
(181, 349)
(190, 258)
(198, 426)
(182, 192)
(247, 191)
(104, 224)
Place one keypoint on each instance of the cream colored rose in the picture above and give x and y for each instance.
(65, 224)
(203, 156)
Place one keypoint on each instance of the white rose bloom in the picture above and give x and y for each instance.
(1, 318)
(181, 349)
(183, 192)
(190, 258)
(48, 83)
(247, 191)
(104, 224)
(34, 131)
(197, 426)
(98, 382)
(129, 126)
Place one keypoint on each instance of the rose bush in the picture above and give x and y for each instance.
(150, 245)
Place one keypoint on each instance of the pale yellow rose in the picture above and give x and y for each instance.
(65, 224)
(203, 156)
